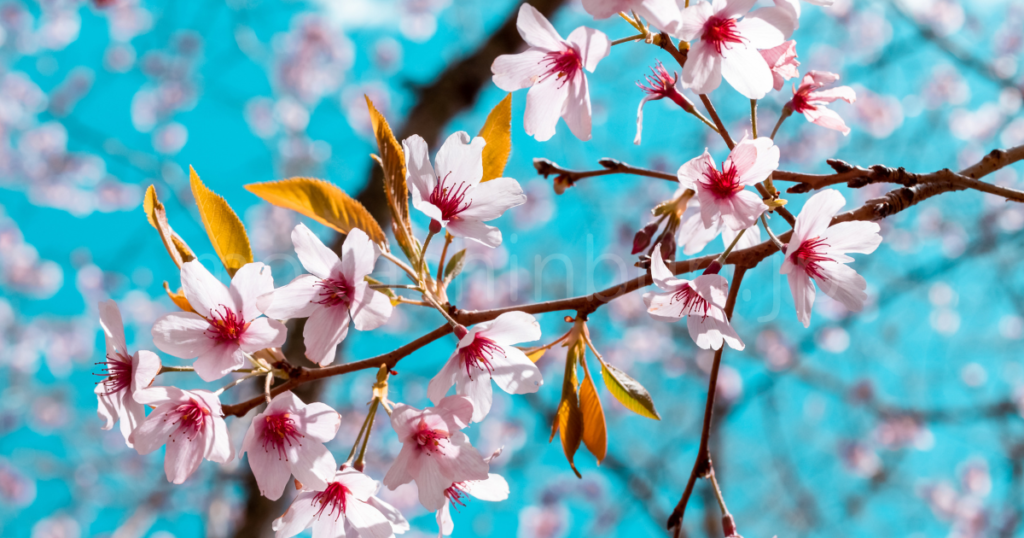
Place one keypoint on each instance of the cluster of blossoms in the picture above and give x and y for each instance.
(234, 328)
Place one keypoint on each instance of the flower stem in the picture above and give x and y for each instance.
(753, 117)
(221, 390)
(444, 254)
(768, 229)
(266, 386)
(359, 463)
(718, 121)
(725, 254)
(401, 265)
(165, 369)
(786, 112)
(628, 39)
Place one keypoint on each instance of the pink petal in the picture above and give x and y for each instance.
(462, 158)
(219, 361)
(431, 482)
(691, 234)
(445, 524)
(467, 464)
(713, 288)
(263, 333)
(802, 288)
(491, 199)
(444, 379)
(145, 367)
(702, 72)
(160, 395)
(843, 284)
(313, 465)
(662, 14)
(298, 517)
(400, 471)
(478, 390)
(767, 27)
(492, 489)
(203, 291)
(742, 210)
(108, 407)
(182, 334)
(747, 72)
(361, 487)
(732, 8)
(640, 119)
(269, 469)
(456, 411)
(513, 328)
(692, 21)
(475, 230)
(855, 236)
(544, 105)
(516, 373)
(313, 253)
(576, 112)
(815, 217)
(398, 522)
(113, 328)
(297, 299)
(420, 175)
(402, 417)
(845, 93)
(367, 520)
(517, 71)
(536, 30)
(826, 118)
(592, 44)
(766, 161)
(709, 332)
(324, 330)
(358, 255)
(249, 282)
(692, 172)
(182, 457)
(319, 421)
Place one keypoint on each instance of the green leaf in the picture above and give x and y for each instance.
(322, 201)
(454, 266)
(628, 391)
(225, 229)
(497, 132)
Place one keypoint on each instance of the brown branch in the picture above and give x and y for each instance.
(718, 121)
(547, 168)
(702, 465)
(879, 208)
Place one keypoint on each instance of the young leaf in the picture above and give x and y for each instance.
(225, 229)
(628, 392)
(392, 162)
(178, 297)
(534, 355)
(497, 132)
(569, 420)
(321, 201)
(386, 291)
(595, 434)
(454, 266)
(157, 216)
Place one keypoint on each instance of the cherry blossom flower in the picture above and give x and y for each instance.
(810, 100)
(288, 438)
(225, 325)
(723, 198)
(783, 63)
(434, 452)
(692, 236)
(661, 86)
(189, 422)
(124, 375)
(343, 503)
(451, 193)
(335, 293)
(817, 250)
(485, 352)
(728, 45)
(493, 489)
(701, 301)
(662, 14)
(552, 68)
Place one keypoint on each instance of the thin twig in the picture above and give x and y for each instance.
(718, 121)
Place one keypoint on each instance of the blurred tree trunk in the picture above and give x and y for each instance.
(454, 90)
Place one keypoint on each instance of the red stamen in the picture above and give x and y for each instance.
(810, 254)
(335, 291)
(118, 373)
(692, 301)
(451, 200)
(278, 431)
(334, 497)
(722, 184)
(430, 440)
(456, 495)
(564, 65)
(226, 325)
(479, 354)
(192, 417)
(719, 32)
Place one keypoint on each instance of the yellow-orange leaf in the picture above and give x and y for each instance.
(569, 420)
(179, 298)
(497, 132)
(157, 216)
(392, 162)
(322, 201)
(225, 229)
(595, 434)
(534, 355)
(629, 392)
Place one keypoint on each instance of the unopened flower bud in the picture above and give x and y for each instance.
(713, 269)
(460, 332)
(642, 239)
(435, 226)
(561, 183)
(668, 247)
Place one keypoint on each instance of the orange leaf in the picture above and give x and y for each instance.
(179, 298)
(157, 216)
(225, 229)
(595, 434)
(497, 132)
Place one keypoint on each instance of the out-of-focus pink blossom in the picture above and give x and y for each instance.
(783, 63)
(810, 100)
(724, 200)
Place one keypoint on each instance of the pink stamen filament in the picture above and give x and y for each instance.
(335, 291)
(810, 254)
(191, 417)
(225, 324)
(722, 184)
(450, 199)
(693, 303)
(480, 355)
(278, 431)
(335, 497)
(118, 373)
(456, 495)
(430, 440)
(719, 32)
(563, 65)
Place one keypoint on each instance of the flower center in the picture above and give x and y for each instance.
(333, 499)
(450, 199)
(800, 102)
(335, 291)
(722, 184)
(192, 417)
(279, 431)
(118, 373)
(479, 354)
(693, 303)
(563, 65)
(225, 325)
(430, 440)
(810, 254)
(719, 32)
(456, 495)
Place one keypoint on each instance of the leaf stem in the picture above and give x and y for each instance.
(628, 39)
(444, 254)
